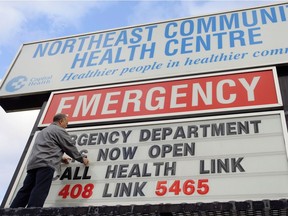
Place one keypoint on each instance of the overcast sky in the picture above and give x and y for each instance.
(28, 21)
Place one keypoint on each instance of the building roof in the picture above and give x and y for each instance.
(264, 207)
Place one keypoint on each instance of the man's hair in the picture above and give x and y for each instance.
(58, 117)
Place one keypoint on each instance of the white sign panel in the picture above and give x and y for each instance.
(233, 40)
(222, 158)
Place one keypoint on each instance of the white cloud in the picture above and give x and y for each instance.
(15, 129)
(35, 20)
(154, 11)
(28, 21)
(217, 6)
(10, 24)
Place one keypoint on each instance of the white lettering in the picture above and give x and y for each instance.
(108, 101)
(163, 97)
(250, 88)
(220, 92)
(160, 100)
(82, 103)
(175, 95)
(197, 89)
(128, 99)
(63, 105)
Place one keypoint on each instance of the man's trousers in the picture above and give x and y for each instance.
(35, 188)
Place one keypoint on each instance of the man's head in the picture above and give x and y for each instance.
(61, 119)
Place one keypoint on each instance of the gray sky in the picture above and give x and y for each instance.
(27, 21)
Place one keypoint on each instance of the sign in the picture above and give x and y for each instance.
(198, 94)
(217, 42)
(221, 158)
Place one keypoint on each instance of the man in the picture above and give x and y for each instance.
(46, 157)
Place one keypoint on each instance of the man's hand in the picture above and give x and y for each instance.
(85, 161)
(65, 160)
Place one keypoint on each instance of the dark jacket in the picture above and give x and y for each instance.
(49, 147)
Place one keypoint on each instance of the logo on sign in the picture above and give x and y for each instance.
(16, 83)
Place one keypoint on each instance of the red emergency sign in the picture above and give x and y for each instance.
(201, 94)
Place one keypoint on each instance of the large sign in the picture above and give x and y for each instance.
(250, 89)
(239, 39)
(223, 158)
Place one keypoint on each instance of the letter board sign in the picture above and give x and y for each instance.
(221, 158)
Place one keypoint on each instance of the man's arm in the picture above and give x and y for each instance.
(68, 146)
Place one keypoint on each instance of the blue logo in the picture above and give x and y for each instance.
(16, 83)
